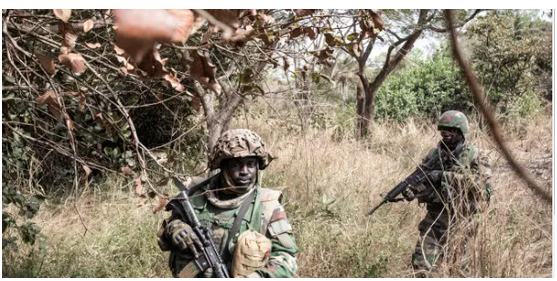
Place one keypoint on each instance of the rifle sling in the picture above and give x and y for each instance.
(236, 226)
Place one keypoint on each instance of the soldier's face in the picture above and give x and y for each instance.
(242, 171)
(450, 136)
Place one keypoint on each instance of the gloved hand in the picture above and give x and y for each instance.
(410, 193)
(183, 237)
(435, 176)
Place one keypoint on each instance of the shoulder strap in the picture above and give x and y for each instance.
(237, 222)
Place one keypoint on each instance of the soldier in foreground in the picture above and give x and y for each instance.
(248, 224)
(453, 191)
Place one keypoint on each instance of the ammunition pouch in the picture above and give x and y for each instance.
(252, 253)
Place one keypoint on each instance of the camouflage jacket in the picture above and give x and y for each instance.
(465, 180)
(265, 215)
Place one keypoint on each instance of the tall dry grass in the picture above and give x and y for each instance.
(338, 239)
(328, 186)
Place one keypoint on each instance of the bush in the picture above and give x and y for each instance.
(425, 90)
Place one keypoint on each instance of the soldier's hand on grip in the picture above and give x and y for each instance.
(183, 237)
(408, 194)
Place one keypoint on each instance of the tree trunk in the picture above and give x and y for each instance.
(361, 125)
(366, 114)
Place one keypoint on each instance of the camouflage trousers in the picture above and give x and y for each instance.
(435, 230)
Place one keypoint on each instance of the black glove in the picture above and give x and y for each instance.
(183, 237)
(408, 194)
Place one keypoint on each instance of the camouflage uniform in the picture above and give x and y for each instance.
(456, 197)
(265, 215)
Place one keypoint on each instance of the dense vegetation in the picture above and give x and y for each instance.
(95, 133)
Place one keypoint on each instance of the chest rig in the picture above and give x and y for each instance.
(221, 220)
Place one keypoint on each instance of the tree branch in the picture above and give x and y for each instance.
(478, 93)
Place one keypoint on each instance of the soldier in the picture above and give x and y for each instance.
(261, 243)
(458, 186)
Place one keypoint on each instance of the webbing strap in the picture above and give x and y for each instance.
(236, 225)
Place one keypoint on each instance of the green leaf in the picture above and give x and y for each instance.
(107, 151)
(131, 162)
(316, 77)
(352, 36)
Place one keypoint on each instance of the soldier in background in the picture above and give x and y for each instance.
(262, 244)
(459, 186)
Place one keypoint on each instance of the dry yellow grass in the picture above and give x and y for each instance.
(340, 240)
(329, 186)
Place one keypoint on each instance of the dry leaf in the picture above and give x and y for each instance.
(198, 22)
(127, 66)
(93, 45)
(138, 30)
(88, 25)
(138, 187)
(207, 35)
(301, 13)
(63, 14)
(70, 37)
(376, 17)
(266, 18)
(69, 122)
(51, 99)
(309, 32)
(153, 65)
(286, 64)
(82, 101)
(161, 202)
(47, 63)
(228, 17)
(106, 14)
(174, 82)
(118, 50)
(202, 70)
(127, 171)
(295, 33)
(64, 50)
(74, 61)
(87, 170)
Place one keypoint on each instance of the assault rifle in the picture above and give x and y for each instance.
(420, 176)
(208, 259)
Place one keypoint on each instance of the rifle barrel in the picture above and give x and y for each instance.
(377, 207)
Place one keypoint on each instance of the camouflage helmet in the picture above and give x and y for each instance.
(454, 119)
(239, 143)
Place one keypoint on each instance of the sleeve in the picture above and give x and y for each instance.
(163, 237)
(475, 176)
(282, 259)
(432, 153)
